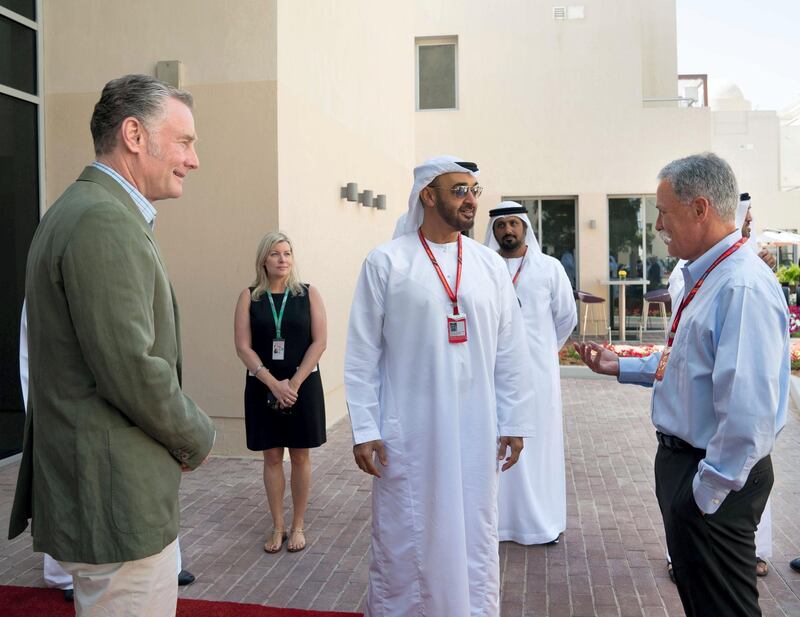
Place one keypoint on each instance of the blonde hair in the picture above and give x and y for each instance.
(261, 284)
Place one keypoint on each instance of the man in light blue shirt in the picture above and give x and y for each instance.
(719, 392)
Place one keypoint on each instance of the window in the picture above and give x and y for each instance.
(787, 253)
(20, 193)
(553, 220)
(24, 8)
(437, 73)
(17, 56)
(635, 247)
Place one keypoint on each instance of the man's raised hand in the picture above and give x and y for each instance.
(598, 358)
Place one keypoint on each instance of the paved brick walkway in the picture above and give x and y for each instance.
(610, 562)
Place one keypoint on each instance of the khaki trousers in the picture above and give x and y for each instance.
(128, 589)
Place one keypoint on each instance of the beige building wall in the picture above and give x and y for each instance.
(295, 99)
(751, 141)
(790, 147)
(790, 157)
(659, 50)
(345, 114)
(208, 236)
(555, 108)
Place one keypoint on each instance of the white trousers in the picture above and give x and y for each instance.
(54, 575)
(764, 534)
(56, 578)
(127, 589)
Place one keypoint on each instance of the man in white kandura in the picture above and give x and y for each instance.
(533, 495)
(437, 377)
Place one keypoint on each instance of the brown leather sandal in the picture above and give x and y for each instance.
(269, 544)
(296, 531)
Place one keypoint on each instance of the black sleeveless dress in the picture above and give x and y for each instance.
(304, 425)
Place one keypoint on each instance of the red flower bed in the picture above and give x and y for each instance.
(794, 320)
(794, 351)
(568, 356)
(633, 351)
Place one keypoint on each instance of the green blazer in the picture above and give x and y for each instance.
(108, 426)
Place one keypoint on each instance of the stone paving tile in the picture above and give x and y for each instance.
(609, 563)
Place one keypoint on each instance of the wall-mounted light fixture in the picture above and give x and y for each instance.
(592, 224)
(171, 72)
(365, 198)
(350, 192)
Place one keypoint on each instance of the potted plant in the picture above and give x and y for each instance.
(789, 276)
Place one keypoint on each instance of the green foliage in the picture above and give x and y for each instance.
(788, 275)
(624, 230)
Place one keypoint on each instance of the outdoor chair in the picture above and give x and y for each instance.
(591, 305)
(660, 297)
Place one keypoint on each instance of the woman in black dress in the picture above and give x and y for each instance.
(280, 333)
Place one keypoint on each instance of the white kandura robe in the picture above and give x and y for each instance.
(533, 495)
(439, 408)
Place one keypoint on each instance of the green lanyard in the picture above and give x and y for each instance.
(278, 318)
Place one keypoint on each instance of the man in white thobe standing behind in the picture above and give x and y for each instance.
(533, 496)
(438, 388)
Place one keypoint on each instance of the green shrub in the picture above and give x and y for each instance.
(788, 275)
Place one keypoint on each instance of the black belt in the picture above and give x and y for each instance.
(674, 443)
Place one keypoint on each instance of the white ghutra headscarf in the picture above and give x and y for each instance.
(741, 213)
(424, 174)
(510, 208)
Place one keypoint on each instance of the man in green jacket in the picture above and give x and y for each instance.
(109, 430)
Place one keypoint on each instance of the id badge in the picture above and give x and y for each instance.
(278, 348)
(457, 328)
(662, 363)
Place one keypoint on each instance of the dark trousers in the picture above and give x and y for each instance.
(713, 556)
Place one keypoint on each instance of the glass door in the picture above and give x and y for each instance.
(558, 233)
(553, 220)
(636, 252)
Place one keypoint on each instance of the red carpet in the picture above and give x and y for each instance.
(35, 602)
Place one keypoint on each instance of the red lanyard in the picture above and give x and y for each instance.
(450, 293)
(690, 296)
(522, 263)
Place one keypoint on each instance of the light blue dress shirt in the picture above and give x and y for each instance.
(726, 385)
(145, 207)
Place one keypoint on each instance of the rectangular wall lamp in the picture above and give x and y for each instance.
(350, 192)
(365, 198)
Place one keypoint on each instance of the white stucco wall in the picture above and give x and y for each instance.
(345, 114)
(751, 142)
(551, 108)
(208, 236)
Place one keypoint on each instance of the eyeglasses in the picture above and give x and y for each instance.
(461, 190)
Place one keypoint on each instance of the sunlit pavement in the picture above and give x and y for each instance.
(609, 562)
